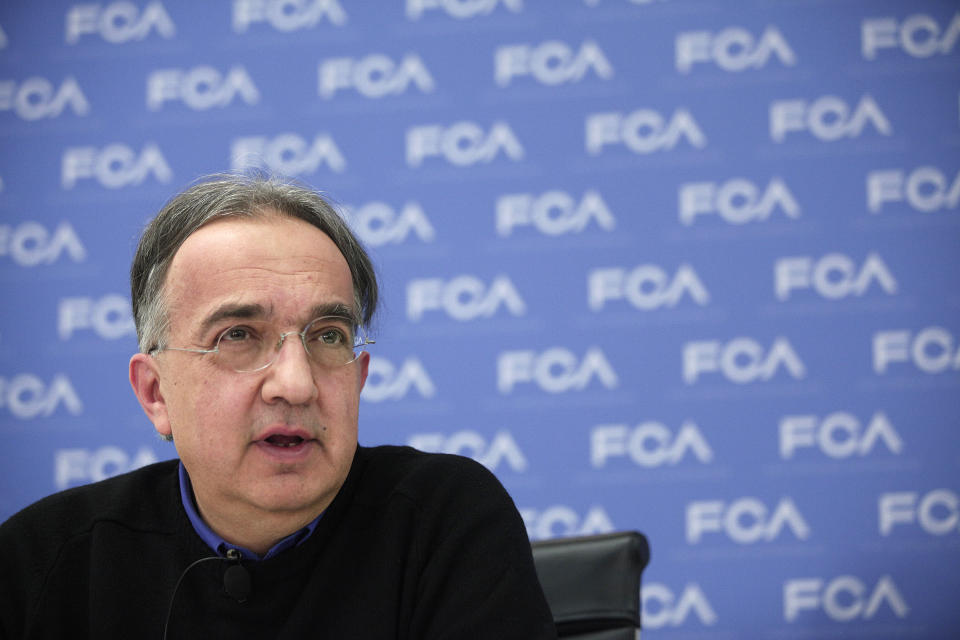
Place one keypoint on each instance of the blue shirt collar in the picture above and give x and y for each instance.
(221, 546)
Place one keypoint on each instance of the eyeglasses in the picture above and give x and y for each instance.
(330, 341)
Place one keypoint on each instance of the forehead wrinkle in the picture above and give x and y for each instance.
(307, 272)
(254, 276)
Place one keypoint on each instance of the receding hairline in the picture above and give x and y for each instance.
(237, 309)
(237, 196)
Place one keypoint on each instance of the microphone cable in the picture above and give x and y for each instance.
(236, 581)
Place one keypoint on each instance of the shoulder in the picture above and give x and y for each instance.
(136, 498)
(53, 545)
(443, 498)
(433, 477)
(464, 540)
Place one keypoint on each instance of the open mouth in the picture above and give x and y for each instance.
(284, 441)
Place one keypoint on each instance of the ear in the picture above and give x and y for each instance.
(145, 380)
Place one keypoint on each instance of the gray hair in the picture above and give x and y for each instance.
(249, 195)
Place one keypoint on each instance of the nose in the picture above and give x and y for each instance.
(290, 377)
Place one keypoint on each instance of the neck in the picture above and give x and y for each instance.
(257, 532)
(242, 524)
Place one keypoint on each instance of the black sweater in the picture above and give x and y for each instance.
(414, 546)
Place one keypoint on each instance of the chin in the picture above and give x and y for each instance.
(293, 497)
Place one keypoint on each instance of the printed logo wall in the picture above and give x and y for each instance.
(685, 267)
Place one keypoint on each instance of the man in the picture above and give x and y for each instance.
(250, 298)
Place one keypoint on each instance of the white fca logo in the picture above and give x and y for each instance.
(502, 449)
(114, 166)
(745, 521)
(288, 153)
(920, 35)
(461, 9)
(662, 608)
(552, 213)
(734, 49)
(118, 22)
(463, 298)
(30, 244)
(646, 287)
(561, 521)
(26, 396)
(834, 276)
(462, 144)
(642, 131)
(110, 317)
(925, 189)
(843, 599)
(828, 118)
(737, 201)
(932, 350)
(200, 88)
(80, 466)
(286, 15)
(37, 98)
(741, 360)
(798, 432)
(379, 224)
(373, 76)
(649, 444)
(555, 370)
(386, 381)
(937, 512)
(550, 63)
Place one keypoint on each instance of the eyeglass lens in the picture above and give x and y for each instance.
(329, 341)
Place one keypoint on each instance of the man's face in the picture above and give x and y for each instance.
(233, 430)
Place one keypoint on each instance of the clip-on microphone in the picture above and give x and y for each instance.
(236, 581)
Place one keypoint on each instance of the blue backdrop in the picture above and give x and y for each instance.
(679, 266)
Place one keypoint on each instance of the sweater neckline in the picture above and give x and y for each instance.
(291, 561)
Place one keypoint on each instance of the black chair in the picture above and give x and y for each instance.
(592, 584)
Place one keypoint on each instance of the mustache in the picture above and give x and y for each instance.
(290, 418)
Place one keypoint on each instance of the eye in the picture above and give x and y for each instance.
(238, 334)
(330, 336)
(328, 333)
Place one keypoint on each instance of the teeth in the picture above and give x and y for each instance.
(284, 444)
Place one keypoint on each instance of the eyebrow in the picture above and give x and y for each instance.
(335, 309)
(248, 311)
(232, 311)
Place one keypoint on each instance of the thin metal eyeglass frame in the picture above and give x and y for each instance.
(283, 336)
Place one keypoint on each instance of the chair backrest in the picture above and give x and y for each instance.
(592, 583)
